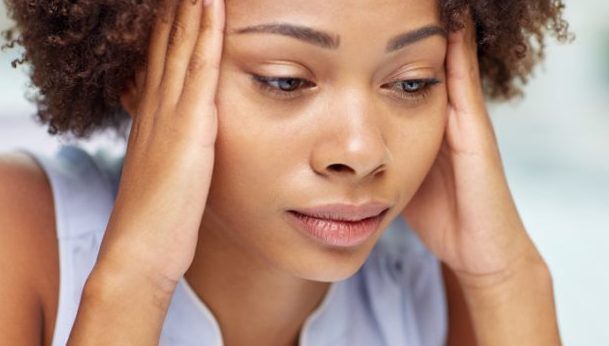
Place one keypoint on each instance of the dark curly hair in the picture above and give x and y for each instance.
(83, 52)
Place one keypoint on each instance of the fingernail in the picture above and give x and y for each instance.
(207, 2)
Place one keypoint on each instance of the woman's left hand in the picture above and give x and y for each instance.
(464, 211)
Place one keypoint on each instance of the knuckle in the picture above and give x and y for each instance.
(178, 31)
(197, 64)
(209, 27)
(205, 25)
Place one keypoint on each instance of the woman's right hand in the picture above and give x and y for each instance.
(168, 165)
(152, 233)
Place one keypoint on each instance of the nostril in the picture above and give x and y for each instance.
(339, 167)
(379, 171)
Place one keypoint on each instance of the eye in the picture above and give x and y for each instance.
(285, 87)
(412, 89)
(412, 86)
(285, 84)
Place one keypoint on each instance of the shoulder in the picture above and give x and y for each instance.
(28, 251)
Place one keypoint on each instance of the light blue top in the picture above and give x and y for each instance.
(396, 298)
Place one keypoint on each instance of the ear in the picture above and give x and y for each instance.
(131, 94)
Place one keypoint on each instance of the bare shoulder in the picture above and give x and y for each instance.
(29, 260)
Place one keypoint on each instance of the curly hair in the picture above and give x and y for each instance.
(82, 53)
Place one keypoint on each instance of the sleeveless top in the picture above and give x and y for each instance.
(396, 298)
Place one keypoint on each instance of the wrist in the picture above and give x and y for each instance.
(528, 266)
(110, 277)
(128, 304)
(515, 306)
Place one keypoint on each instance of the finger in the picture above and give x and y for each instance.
(204, 67)
(158, 44)
(464, 86)
(469, 128)
(183, 37)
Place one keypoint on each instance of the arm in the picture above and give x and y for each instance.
(28, 253)
(460, 328)
(120, 309)
(506, 312)
(514, 309)
(465, 214)
(148, 246)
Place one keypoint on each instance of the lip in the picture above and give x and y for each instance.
(339, 225)
(344, 212)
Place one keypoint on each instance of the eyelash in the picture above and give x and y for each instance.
(264, 83)
(426, 84)
(418, 95)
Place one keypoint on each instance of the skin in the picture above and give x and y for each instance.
(207, 180)
(384, 146)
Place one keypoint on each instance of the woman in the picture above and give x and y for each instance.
(271, 144)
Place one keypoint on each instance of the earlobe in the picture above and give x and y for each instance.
(126, 100)
(130, 96)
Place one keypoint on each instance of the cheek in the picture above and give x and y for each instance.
(415, 144)
(256, 138)
(248, 155)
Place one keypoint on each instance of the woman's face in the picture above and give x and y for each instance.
(357, 116)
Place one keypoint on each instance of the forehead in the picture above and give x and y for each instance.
(339, 16)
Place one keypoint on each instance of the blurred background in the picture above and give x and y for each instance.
(554, 144)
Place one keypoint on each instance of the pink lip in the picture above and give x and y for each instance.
(339, 224)
(344, 212)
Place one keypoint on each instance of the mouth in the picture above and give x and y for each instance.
(339, 225)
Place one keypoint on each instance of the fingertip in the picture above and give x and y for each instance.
(455, 36)
(466, 28)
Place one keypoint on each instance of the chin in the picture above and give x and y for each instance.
(331, 265)
(313, 261)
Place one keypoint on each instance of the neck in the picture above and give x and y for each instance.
(252, 302)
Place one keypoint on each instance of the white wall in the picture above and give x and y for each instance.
(554, 144)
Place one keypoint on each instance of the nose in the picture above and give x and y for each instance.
(351, 145)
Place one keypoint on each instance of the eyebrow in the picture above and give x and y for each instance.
(330, 41)
(411, 37)
(303, 33)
